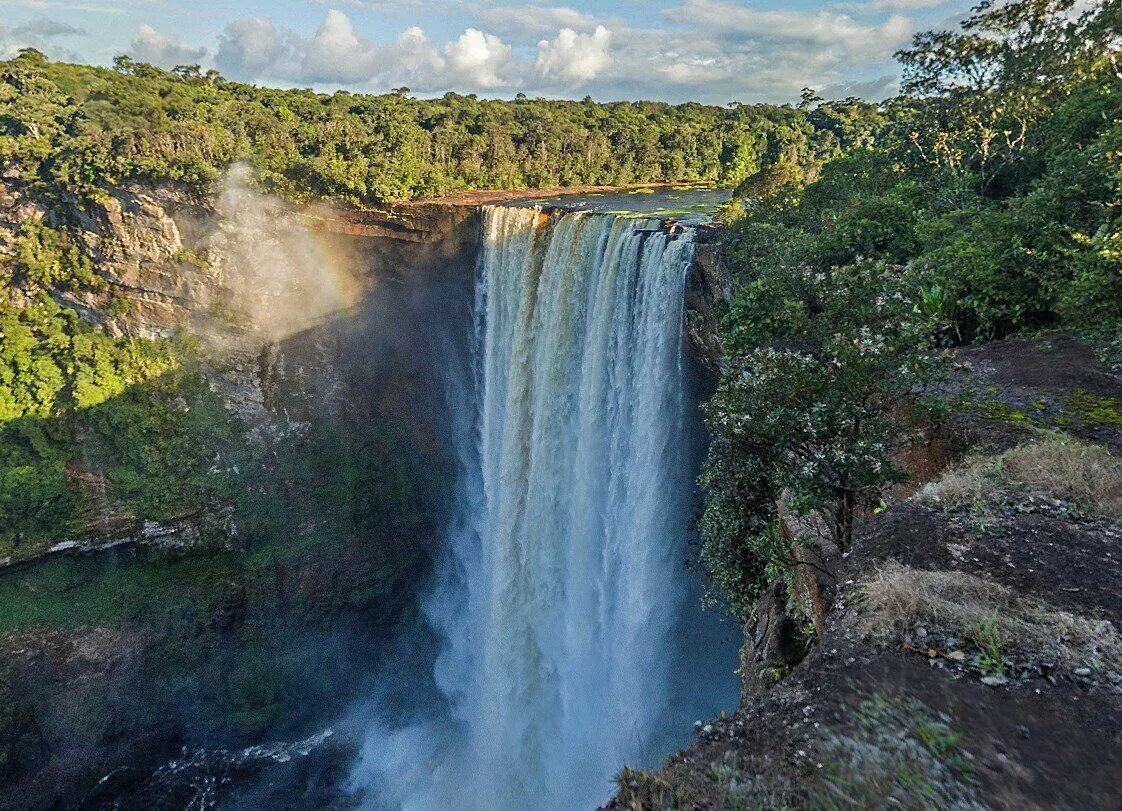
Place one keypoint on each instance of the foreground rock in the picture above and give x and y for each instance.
(971, 658)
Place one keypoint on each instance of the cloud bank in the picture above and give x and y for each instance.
(709, 50)
(42, 34)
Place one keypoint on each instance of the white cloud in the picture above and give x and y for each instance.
(477, 60)
(717, 51)
(338, 55)
(252, 48)
(413, 56)
(874, 6)
(574, 58)
(46, 29)
(149, 45)
(872, 90)
(732, 22)
(529, 22)
(709, 50)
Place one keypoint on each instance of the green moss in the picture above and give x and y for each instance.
(157, 450)
(995, 411)
(112, 590)
(119, 306)
(1083, 409)
(1094, 411)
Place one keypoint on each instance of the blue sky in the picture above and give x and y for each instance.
(713, 51)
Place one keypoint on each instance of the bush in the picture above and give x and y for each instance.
(812, 406)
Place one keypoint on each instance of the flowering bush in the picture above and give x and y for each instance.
(824, 371)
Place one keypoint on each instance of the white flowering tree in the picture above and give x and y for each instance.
(824, 369)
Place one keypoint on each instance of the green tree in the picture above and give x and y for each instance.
(823, 372)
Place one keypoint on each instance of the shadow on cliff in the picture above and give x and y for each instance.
(235, 581)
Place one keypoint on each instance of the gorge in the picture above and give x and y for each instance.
(513, 343)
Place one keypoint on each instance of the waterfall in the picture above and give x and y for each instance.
(563, 603)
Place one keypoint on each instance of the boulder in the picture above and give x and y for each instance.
(772, 645)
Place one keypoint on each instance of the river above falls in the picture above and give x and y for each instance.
(686, 205)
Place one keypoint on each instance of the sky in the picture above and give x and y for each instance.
(712, 51)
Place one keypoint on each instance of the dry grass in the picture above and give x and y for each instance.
(1055, 466)
(898, 598)
(1065, 468)
(972, 484)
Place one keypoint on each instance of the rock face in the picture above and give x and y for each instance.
(899, 705)
(815, 561)
(708, 283)
(772, 645)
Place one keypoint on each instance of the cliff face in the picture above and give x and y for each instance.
(708, 285)
(965, 652)
(323, 331)
(242, 271)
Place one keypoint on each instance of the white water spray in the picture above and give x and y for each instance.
(562, 596)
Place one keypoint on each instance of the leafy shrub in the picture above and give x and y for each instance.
(813, 403)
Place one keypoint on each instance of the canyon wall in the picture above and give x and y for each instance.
(306, 317)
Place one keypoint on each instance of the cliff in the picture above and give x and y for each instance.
(965, 653)
(318, 334)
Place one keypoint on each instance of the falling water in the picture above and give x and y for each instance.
(563, 604)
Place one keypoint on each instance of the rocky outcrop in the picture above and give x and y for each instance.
(304, 315)
(814, 563)
(773, 643)
(181, 533)
(708, 283)
(966, 649)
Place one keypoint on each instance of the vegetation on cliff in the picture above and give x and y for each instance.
(988, 205)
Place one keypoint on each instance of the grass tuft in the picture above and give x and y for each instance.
(897, 599)
(1056, 466)
(897, 756)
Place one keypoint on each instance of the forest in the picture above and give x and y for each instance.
(71, 129)
(987, 204)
